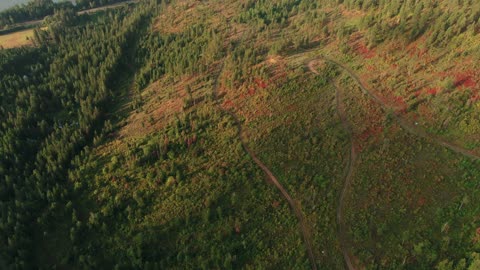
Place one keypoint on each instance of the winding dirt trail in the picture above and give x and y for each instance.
(404, 123)
(349, 170)
(304, 229)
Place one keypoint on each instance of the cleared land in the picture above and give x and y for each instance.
(17, 39)
(23, 37)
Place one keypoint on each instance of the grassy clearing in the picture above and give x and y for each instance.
(17, 39)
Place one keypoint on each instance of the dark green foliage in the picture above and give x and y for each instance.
(263, 13)
(179, 54)
(52, 103)
(159, 209)
(34, 10)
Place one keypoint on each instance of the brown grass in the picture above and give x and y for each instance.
(17, 39)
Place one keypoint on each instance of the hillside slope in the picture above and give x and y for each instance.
(247, 134)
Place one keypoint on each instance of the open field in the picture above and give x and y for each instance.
(17, 39)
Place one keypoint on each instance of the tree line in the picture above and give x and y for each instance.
(53, 102)
(39, 9)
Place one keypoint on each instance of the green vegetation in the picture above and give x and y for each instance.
(304, 144)
(409, 208)
(34, 10)
(52, 104)
(230, 134)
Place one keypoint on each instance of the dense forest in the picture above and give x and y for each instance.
(53, 98)
(288, 134)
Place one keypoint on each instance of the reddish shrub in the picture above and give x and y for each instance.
(432, 91)
(421, 53)
(364, 51)
(357, 148)
(421, 201)
(400, 102)
(260, 83)
(370, 132)
(191, 140)
(275, 204)
(228, 104)
(464, 80)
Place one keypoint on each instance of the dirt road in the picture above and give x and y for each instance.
(404, 123)
(304, 229)
(349, 169)
(119, 4)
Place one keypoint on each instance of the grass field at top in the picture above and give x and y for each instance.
(17, 39)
